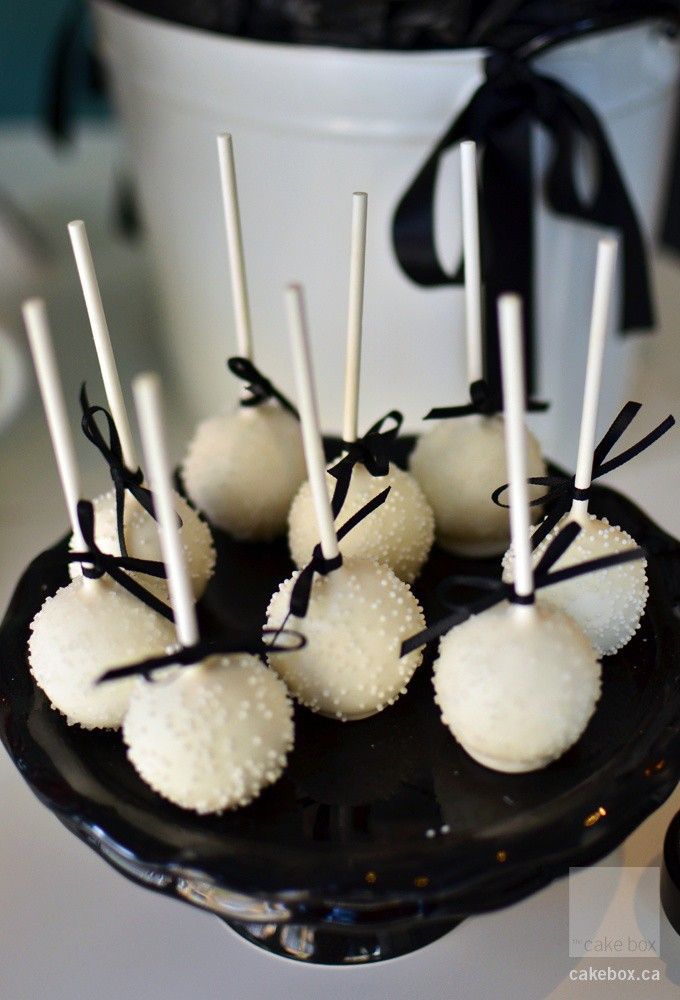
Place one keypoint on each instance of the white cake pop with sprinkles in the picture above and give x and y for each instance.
(358, 613)
(400, 534)
(458, 463)
(141, 535)
(517, 683)
(90, 624)
(212, 735)
(87, 627)
(243, 468)
(608, 606)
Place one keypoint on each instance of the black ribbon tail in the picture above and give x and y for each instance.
(186, 656)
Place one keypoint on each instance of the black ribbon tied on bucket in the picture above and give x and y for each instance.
(498, 591)
(259, 386)
(484, 400)
(302, 588)
(96, 564)
(187, 656)
(562, 490)
(373, 451)
(124, 479)
(499, 117)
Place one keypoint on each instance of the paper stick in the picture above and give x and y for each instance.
(237, 268)
(514, 396)
(309, 417)
(52, 393)
(605, 270)
(355, 315)
(147, 393)
(102, 340)
(471, 257)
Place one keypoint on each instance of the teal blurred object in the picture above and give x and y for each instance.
(29, 34)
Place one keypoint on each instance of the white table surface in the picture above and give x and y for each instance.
(70, 927)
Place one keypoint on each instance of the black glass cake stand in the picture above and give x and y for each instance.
(382, 834)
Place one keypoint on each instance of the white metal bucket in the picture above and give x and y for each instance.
(311, 125)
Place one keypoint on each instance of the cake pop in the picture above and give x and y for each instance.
(516, 684)
(243, 468)
(401, 532)
(608, 606)
(91, 623)
(457, 463)
(212, 735)
(123, 516)
(354, 613)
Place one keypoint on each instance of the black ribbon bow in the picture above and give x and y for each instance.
(187, 656)
(373, 451)
(302, 588)
(500, 117)
(562, 490)
(258, 385)
(123, 479)
(484, 400)
(497, 590)
(96, 563)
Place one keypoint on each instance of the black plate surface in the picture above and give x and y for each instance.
(380, 823)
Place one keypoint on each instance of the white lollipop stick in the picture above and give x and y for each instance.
(102, 340)
(237, 268)
(514, 397)
(309, 418)
(52, 393)
(605, 270)
(147, 393)
(355, 315)
(471, 257)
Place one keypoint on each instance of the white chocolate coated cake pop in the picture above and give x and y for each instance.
(607, 605)
(212, 737)
(90, 624)
(359, 612)
(399, 534)
(458, 465)
(517, 683)
(516, 692)
(85, 628)
(242, 469)
(358, 616)
(141, 537)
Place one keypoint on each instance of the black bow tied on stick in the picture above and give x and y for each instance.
(123, 479)
(259, 386)
(373, 451)
(187, 656)
(499, 117)
(96, 564)
(302, 588)
(562, 490)
(497, 590)
(484, 400)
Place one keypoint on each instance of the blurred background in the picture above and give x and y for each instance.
(109, 114)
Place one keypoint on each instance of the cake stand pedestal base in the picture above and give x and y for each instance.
(323, 946)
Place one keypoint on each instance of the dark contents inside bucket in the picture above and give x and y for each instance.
(397, 24)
